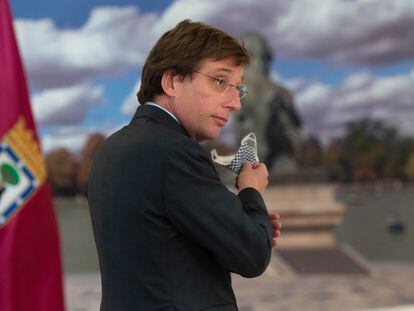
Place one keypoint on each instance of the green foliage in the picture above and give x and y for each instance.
(370, 150)
(311, 155)
(334, 161)
(409, 168)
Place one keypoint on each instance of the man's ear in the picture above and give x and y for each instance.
(167, 83)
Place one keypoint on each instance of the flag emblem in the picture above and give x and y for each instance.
(21, 170)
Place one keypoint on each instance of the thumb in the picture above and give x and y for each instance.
(247, 165)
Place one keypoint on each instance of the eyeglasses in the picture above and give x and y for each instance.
(222, 86)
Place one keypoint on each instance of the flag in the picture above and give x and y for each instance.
(30, 266)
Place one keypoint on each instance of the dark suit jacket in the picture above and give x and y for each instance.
(168, 232)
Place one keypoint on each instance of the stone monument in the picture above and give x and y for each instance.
(268, 108)
(309, 211)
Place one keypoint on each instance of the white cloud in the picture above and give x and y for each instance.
(362, 32)
(112, 40)
(365, 32)
(325, 109)
(66, 105)
(358, 81)
(116, 38)
(73, 138)
(312, 94)
(131, 103)
(74, 141)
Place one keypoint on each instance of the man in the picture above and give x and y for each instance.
(168, 232)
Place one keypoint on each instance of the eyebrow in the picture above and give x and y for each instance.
(227, 70)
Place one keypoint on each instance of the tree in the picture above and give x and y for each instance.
(368, 146)
(92, 145)
(335, 162)
(409, 168)
(62, 168)
(311, 153)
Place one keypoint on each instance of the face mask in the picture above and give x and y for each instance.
(246, 152)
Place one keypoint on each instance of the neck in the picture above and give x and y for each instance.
(165, 102)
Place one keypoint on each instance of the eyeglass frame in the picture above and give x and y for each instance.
(240, 87)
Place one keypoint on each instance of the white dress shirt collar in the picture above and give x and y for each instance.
(162, 108)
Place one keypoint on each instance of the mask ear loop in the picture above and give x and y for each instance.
(223, 160)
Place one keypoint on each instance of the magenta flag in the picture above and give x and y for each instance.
(30, 264)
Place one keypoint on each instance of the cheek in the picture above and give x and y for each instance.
(197, 106)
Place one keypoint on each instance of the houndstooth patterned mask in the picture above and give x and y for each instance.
(246, 152)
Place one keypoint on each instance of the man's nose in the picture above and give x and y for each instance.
(233, 101)
(236, 104)
(233, 104)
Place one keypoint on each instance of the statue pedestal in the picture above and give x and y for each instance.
(309, 214)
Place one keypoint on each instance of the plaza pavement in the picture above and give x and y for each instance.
(390, 287)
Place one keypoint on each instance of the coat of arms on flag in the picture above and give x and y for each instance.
(21, 169)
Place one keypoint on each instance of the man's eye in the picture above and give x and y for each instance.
(220, 81)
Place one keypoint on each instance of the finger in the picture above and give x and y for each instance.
(274, 215)
(276, 224)
(275, 220)
(276, 233)
(274, 242)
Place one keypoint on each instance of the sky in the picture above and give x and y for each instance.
(342, 59)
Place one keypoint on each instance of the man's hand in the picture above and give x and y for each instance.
(277, 227)
(254, 176)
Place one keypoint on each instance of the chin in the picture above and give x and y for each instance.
(213, 134)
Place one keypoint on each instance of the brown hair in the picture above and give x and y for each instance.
(181, 50)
